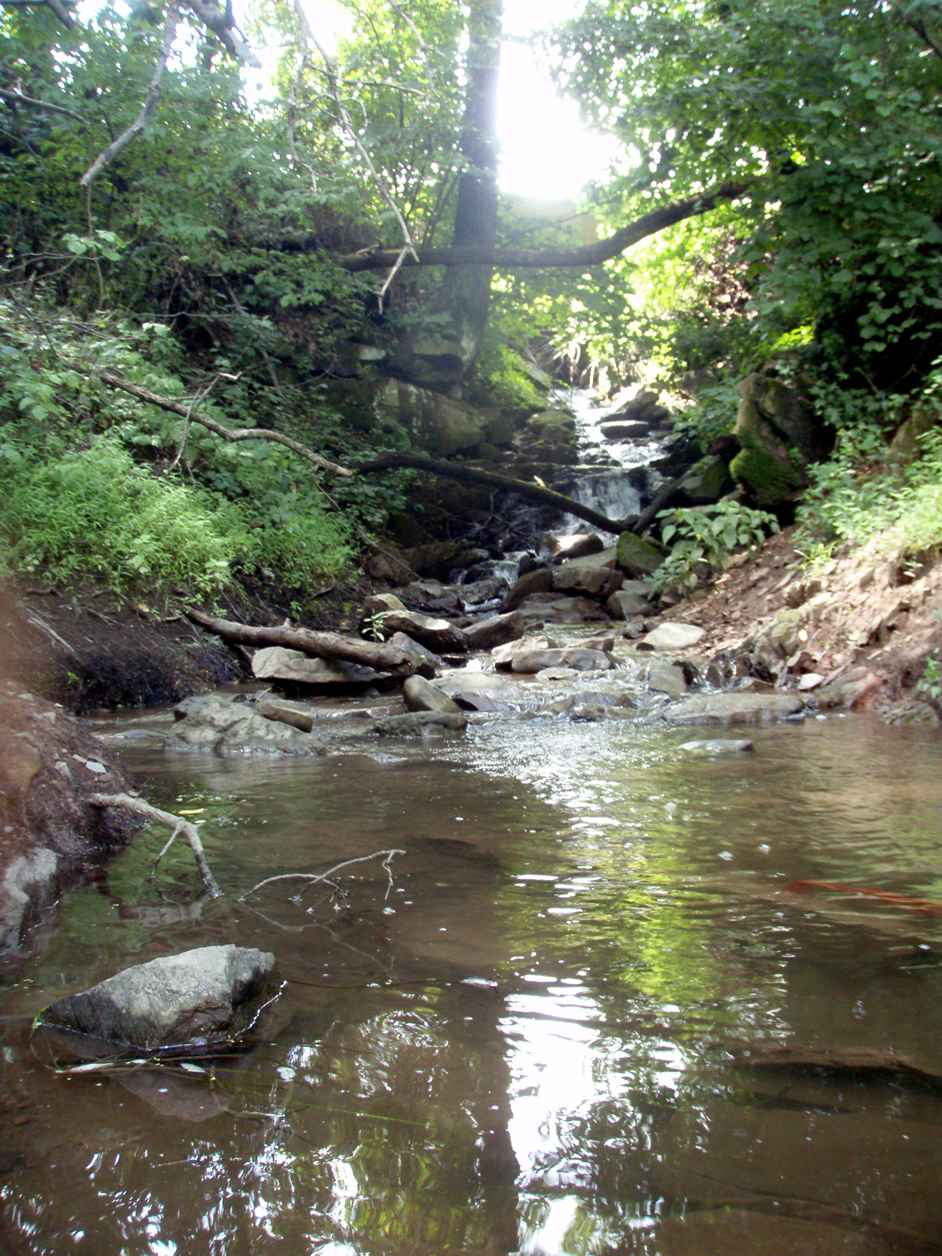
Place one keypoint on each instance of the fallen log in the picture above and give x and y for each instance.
(473, 475)
(861, 1063)
(320, 645)
(137, 806)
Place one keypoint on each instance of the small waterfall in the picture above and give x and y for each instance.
(611, 493)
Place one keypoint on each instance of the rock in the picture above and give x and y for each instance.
(275, 662)
(769, 652)
(436, 423)
(385, 565)
(583, 578)
(706, 481)
(672, 636)
(536, 660)
(477, 592)
(177, 1000)
(624, 429)
(419, 724)
(29, 883)
(430, 596)
(735, 708)
(557, 673)
(425, 662)
(638, 555)
(780, 434)
(420, 694)
(538, 581)
(850, 692)
(379, 603)
(225, 727)
(480, 691)
(660, 676)
(435, 634)
(810, 680)
(718, 745)
(50, 834)
(497, 630)
(645, 408)
(578, 545)
(604, 641)
(556, 608)
(503, 655)
(633, 598)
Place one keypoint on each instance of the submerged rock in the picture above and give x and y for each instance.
(229, 728)
(178, 1000)
(735, 708)
(419, 724)
(718, 745)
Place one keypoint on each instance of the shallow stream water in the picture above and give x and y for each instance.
(524, 1043)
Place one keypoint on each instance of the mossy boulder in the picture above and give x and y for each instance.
(436, 423)
(779, 434)
(706, 481)
(638, 556)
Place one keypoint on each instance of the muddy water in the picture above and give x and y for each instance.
(524, 1043)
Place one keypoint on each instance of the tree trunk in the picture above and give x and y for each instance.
(321, 645)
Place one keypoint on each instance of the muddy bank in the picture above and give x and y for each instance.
(50, 834)
(860, 627)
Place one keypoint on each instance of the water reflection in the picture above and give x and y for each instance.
(528, 1047)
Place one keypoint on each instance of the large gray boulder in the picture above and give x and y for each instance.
(556, 608)
(480, 691)
(673, 636)
(537, 660)
(633, 598)
(178, 1000)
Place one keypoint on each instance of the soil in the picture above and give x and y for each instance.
(862, 609)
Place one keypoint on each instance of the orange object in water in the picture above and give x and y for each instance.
(924, 905)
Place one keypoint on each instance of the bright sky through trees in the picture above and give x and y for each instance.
(546, 151)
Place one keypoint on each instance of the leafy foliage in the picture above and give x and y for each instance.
(704, 538)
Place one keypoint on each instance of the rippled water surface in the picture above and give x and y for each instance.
(526, 1044)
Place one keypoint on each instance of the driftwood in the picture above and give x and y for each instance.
(862, 1063)
(320, 645)
(472, 475)
(127, 802)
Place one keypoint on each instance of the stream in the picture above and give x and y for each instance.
(524, 1043)
(523, 1037)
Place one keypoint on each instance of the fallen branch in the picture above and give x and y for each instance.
(151, 101)
(227, 433)
(321, 645)
(927, 906)
(127, 802)
(471, 475)
(319, 877)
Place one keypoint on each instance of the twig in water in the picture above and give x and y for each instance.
(176, 823)
(316, 878)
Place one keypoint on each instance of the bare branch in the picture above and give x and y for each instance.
(316, 878)
(227, 433)
(127, 802)
(17, 98)
(307, 38)
(150, 104)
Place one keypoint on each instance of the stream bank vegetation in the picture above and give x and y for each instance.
(224, 313)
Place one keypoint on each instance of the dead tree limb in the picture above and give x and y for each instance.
(586, 255)
(471, 475)
(127, 802)
(151, 101)
(321, 877)
(223, 26)
(321, 645)
(17, 98)
(865, 1063)
(227, 433)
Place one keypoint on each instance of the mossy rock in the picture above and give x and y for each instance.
(706, 481)
(638, 555)
(771, 479)
(441, 425)
(548, 422)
